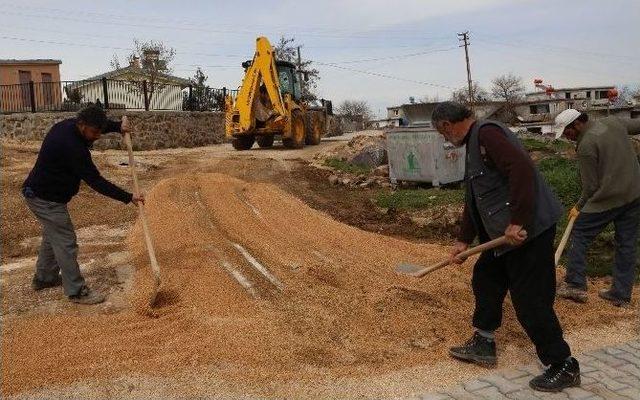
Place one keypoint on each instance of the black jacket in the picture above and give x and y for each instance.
(64, 159)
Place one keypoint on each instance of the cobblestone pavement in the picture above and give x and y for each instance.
(609, 373)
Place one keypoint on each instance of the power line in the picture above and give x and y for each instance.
(395, 57)
(252, 27)
(383, 75)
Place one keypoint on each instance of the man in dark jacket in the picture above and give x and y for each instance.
(64, 159)
(506, 195)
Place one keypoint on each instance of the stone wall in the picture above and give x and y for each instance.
(151, 129)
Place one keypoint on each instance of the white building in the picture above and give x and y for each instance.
(125, 88)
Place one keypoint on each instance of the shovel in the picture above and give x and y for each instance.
(418, 272)
(564, 239)
(145, 226)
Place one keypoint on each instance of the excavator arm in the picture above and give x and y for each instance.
(261, 71)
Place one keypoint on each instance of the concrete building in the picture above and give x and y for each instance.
(539, 109)
(419, 114)
(28, 85)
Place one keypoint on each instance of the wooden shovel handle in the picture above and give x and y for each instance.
(564, 239)
(145, 226)
(502, 240)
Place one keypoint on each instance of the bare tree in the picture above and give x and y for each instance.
(153, 59)
(354, 109)
(430, 99)
(462, 95)
(508, 88)
(287, 50)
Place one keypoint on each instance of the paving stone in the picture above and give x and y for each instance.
(504, 385)
(608, 359)
(523, 394)
(613, 351)
(435, 396)
(586, 367)
(490, 393)
(587, 380)
(512, 374)
(635, 344)
(531, 369)
(606, 380)
(605, 393)
(626, 347)
(554, 396)
(458, 393)
(632, 393)
(629, 358)
(631, 370)
(577, 393)
(606, 369)
(474, 385)
(584, 358)
(630, 380)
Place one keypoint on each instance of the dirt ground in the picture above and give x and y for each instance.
(276, 284)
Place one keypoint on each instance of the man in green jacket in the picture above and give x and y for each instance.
(610, 176)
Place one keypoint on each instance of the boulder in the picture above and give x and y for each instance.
(373, 155)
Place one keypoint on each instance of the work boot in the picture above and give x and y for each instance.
(87, 296)
(37, 284)
(478, 349)
(558, 376)
(571, 292)
(613, 299)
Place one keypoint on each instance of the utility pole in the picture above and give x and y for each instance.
(464, 38)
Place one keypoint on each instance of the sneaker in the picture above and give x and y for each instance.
(557, 377)
(37, 284)
(571, 292)
(478, 349)
(613, 299)
(87, 296)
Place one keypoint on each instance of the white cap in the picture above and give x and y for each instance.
(563, 119)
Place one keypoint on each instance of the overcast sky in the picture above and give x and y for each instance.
(381, 51)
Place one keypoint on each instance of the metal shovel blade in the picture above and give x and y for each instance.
(408, 269)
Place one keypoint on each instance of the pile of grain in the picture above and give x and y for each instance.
(340, 309)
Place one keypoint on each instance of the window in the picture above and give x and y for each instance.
(567, 95)
(395, 112)
(588, 94)
(539, 108)
(602, 94)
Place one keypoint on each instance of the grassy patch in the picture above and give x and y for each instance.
(344, 166)
(553, 146)
(411, 199)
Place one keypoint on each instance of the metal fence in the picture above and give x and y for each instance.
(111, 94)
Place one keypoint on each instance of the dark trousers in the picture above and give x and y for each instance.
(626, 220)
(528, 273)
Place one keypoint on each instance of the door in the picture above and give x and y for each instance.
(47, 89)
(25, 96)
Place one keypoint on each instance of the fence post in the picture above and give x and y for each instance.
(145, 92)
(105, 92)
(32, 96)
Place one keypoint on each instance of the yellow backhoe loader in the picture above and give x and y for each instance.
(269, 104)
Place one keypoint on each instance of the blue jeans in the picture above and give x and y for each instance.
(626, 220)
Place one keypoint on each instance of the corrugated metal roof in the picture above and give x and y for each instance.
(30, 61)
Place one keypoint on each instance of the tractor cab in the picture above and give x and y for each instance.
(289, 80)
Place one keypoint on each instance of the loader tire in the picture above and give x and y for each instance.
(296, 140)
(314, 129)
(243, 142)
(265, 141)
